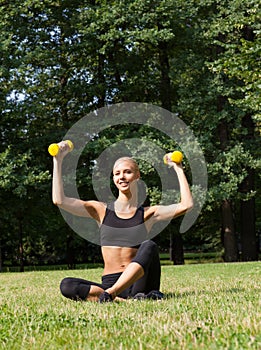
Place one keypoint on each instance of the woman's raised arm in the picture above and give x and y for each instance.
(74, 206)
(169, 212)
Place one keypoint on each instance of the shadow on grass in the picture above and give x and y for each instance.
(182, 295)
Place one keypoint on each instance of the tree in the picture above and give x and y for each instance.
(240, 50)
(60, 60)
(210, 94)
(38, 78)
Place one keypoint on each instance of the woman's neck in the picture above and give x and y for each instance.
(125, 202)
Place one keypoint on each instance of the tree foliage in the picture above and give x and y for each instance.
(61, 60)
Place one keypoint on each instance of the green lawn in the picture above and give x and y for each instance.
(208, 306)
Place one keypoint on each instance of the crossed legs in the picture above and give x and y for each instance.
(141, 275)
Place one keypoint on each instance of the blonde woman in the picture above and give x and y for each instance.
(131, 261)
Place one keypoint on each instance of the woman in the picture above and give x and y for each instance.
(131, 263)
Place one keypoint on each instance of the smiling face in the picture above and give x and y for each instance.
(125, 172)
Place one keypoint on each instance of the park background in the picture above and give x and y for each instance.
(61, 60)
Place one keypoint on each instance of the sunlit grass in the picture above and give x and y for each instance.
(209, 306)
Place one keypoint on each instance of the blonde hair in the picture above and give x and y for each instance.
(127, 159)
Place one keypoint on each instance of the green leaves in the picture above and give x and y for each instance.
(17, 175)
(62, 59)
(235, 29)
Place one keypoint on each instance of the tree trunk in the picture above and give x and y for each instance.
(1, 257)
(176, 242)
(176, 249)
(21, 247)
(165, 84)
(248, 234)
(228, 232)
(70, 252)
(227, 224)
(101, 81)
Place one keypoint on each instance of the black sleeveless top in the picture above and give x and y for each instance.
(119, 232)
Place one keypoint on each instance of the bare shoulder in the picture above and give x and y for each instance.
(95, 209)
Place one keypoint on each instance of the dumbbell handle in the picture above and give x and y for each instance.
(54, 148)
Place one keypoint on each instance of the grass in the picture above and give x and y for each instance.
(208, 306)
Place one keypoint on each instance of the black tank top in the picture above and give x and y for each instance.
(120, 232)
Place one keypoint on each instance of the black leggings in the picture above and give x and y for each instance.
(147, 256)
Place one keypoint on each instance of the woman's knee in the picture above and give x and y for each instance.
(149, 245)
(74, 288)
(146, 253)
(66, 287)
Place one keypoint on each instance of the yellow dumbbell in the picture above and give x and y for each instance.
(53, 149)
(175, 157)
